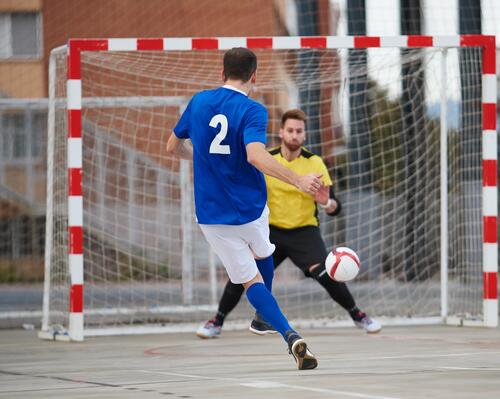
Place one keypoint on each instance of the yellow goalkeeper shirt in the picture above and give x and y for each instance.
(289, 207)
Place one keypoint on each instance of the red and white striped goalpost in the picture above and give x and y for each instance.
(74, 158)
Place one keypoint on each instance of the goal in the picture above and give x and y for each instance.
(406, 125)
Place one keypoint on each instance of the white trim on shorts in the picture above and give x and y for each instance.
(238, 245)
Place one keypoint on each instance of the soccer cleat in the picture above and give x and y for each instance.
(260, 327)
(369, 325)
(297, 347)
(209, 330)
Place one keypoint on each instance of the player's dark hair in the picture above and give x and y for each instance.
(239, 64)
(293, 114)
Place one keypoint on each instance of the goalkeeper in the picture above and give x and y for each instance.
(294, 230)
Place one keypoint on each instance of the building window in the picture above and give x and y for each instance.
(22, 236)
(20, 35)
(39, 132)
(23, 135)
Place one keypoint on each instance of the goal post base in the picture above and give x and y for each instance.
(242, 325)
(463, 321)
(56, 333)
(62, 335)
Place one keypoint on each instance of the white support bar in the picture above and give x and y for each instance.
(172, 309)
(187, 237)
(49, 223)
(76, 268)
(74, 93)
(461, 321)
(131, 101)
(122, 44)
(75, 152)
(444, 187)
(75, 210)
(239, 326)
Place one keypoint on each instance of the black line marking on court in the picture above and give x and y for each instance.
(49, 389)
(102, 384)
(92, 383)
(11, 373)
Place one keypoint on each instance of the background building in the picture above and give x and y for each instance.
(30, 30)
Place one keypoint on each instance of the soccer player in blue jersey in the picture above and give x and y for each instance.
(228, 135)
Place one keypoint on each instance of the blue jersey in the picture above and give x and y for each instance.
(220, 123)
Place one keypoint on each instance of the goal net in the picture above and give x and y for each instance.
(401, 130)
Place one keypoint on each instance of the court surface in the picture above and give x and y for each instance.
(400, 362)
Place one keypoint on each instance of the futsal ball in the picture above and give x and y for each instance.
(342, 264)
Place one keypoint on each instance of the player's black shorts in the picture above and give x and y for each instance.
(304, 246)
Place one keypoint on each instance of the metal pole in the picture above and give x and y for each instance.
(444, 187)
(187, 239)
(49, 221)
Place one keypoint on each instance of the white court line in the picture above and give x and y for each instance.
(423, 356)
(471, 368)
(266, 384)
(202, 377)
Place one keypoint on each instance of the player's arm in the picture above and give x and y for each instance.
(179, 147)
(338, 206)
(258, 156)
(178, 143)
(325, 197)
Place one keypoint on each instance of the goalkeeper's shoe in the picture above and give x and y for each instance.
(297, 347)
(260, 327)
(370, 325)
(209, 330)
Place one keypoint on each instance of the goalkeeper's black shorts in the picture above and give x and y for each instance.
(304, 246)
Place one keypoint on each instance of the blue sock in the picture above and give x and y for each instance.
(266, 269)
(265, 304)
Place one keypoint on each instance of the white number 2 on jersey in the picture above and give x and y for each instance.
(216, 147)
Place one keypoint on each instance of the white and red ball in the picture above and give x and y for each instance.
(342, 264)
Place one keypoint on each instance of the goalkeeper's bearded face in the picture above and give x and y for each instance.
(293, 134)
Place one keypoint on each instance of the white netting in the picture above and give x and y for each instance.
(379, 136)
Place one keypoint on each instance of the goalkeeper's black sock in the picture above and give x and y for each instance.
(356, 314)
(338, 291)
(219, 318)
(230, 298)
